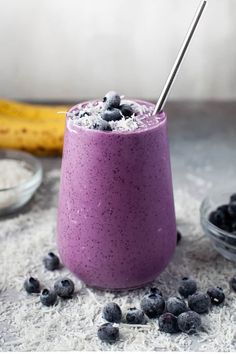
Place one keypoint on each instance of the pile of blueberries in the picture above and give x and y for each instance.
(174, 314)
(224, 216)
(64, 287)
(113, 110)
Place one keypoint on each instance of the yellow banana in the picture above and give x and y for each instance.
(37, 129)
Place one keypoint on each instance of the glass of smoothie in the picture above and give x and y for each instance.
(116, 225)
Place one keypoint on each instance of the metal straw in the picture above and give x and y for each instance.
(165, 92)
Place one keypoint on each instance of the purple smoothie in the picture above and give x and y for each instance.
(116, 219)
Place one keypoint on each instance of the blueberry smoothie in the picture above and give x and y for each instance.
(116, 222)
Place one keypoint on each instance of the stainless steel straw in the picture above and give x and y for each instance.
(165, 92)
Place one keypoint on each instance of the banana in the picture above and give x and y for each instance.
(37, 129)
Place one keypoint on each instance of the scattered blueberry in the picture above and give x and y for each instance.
(233, 283)
(189, 322)
(103, 126)
(153, 304)
(112, 312)
(135, 316)
(199, 302)
(64, 288)
(179, 237)
(126, 110)
(112, 114)
(48, 298)
(187, 287)
(107, 333)
(217, 295)
(175, 305)
(168, 323)
(233, 198)
(32, 285)
(111, 100)
(51, 261)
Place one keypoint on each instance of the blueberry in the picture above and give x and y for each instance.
(51, 261)
(175, 305)
(48, 298)
(107, 333)
(233, 226)
(187, 287)
(233, 198)
(112, 114)
(189, 322)
(111, 100)
(32, 285)
(179, 237)
(217, 218)
(135, 316)
(102, 125)
(153, 304)
(126, 110)
(112, 312)
(217, 295)
(199, 302)
(82, 114)
(64, 288)
(168, 323)
(233, 283)
(232, 210)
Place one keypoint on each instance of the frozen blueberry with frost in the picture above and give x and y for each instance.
(232, 283)
(102, 125)
(112, 114)
(153, 304)
(187, 287)
(199, 302)
(189, 322)
(135, 316)
(32, 285)
(179, 236)
(108, 333)
(168, 323)
(48, 297)
(51, 261)
(112, 312)
(175, 305)
(111, 100)
(126, 110)
(217, 295)
(64, 288)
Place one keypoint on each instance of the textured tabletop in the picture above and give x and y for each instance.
(203, 155)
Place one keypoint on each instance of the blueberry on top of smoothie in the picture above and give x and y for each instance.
(111, 114)
(126, 110)
(102, 125)
(111, 100)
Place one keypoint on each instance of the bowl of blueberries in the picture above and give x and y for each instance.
(218, 220)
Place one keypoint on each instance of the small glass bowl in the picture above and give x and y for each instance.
(224, 242)
(11, 199)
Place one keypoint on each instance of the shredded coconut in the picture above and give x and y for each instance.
(13, 173)
(25, 325)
